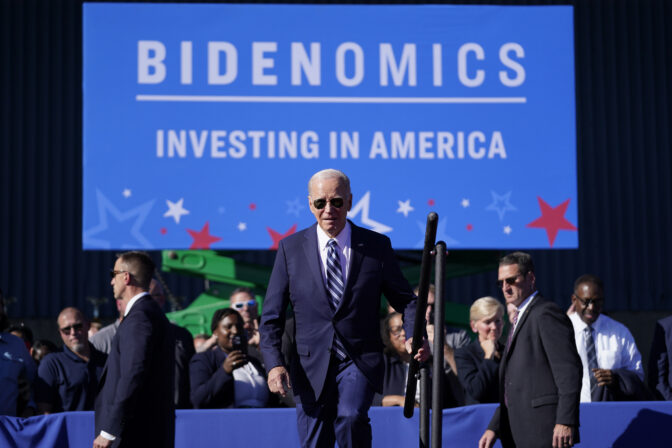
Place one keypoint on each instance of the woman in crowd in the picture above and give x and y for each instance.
(397, 360)
(478, 362)
(226, 376)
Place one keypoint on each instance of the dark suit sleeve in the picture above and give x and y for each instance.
(494, 421)
(211, 386)
(273, 316)
(397, 290)
(557, 337)
(476, 377)
(134, 361)
(659, 365)
(629, 387)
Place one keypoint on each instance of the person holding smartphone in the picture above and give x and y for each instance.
(226, 377)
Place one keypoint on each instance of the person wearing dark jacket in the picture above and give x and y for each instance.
(226, 376)
(478, 362)
(134, 406)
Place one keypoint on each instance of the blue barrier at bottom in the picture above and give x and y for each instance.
(602, 425)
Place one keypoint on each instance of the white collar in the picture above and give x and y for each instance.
(580, 325)
(342, 239)
(523, 306)
(132, 302)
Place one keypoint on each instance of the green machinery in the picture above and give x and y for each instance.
(223, 273)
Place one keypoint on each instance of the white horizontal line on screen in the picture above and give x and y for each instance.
(331, 99)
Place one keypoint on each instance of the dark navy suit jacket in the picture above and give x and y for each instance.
(297, 280)
(478, 376)
(660, 361)
(136, 398)
(543, 374)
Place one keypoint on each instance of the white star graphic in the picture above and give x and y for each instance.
(508, 230)
(221, 210)
(126, 193)
(294, 207)
(464, 203)
(363, 206)
(114, 228)
(176, 210)
(405, 207)
(242, 226)
(501, 204)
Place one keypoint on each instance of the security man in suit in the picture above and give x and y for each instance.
(333, 274)
(540, 372)
(134, 406)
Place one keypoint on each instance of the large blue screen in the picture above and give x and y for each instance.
(203, 123)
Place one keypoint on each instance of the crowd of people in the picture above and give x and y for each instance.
(252, 361)
(225, 369)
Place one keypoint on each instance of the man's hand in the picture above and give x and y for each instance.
(562, 436)
(604, 377)
(278, 381)
(423, 352)
(393, 400)
(487, 439)
(101, 442)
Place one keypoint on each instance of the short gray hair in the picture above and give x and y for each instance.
(330, 173)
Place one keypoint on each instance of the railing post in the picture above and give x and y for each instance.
(439, 324)
(418, 329)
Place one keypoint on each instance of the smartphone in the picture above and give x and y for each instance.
(239, 344)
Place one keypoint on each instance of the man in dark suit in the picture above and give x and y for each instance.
(332, 274)
(540, 372)
(135, 406)
(660, 361)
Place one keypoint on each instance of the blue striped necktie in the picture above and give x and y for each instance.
(592, 357)
(335, 287)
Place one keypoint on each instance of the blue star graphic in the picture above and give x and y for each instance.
(501, 204)
(122, 220)
(440, 235)
(294, 207)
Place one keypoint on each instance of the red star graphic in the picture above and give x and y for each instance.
(430, 202)
(470, 227)
(253, 206)
(163, 230)
(552, 219)
(202, 238)
(276, 237)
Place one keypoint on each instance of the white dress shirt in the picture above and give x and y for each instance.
(132, 302)
(249, 387)
(615, 348)
(344, 244)
(523, 307)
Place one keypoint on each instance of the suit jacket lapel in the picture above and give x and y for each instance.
(314, 262)
(520, 324)
(356, 256)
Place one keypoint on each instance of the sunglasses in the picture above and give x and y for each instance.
(321, 203)
(114, 273)
(596, 301)
(240, 305)
(509, 281)
(76, 327)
